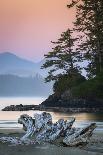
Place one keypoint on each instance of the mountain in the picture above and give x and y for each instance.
(21, 77)
(12, 64)
(11, 85)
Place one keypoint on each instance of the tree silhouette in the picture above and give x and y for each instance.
(63, 58)
(89, 22)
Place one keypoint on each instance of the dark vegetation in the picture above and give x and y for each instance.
(90, 89)
(67, 82)
(64, 61)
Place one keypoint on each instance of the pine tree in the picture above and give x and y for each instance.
(89, 22)
(63, 58)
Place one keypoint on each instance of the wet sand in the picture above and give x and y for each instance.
(95, 147)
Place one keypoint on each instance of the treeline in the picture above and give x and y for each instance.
(11, 85)
(82, 43)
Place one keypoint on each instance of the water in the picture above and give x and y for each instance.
(9, 119)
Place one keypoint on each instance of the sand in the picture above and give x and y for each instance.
(95, 147)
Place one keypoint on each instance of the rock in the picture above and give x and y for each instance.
(66, 103)
(21, 107)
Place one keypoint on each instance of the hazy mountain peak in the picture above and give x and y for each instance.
(8, 55)
(15, 65)
(16, 72)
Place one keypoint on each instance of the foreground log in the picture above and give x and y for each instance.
(80, 136)
(41, 129)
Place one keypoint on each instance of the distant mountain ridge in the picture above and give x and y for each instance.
(21, 77)
(12, 64)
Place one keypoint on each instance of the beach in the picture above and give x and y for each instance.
(95, 147)
(9, 126)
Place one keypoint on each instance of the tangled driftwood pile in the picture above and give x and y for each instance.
(41, 129)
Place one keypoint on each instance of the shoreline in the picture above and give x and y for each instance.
(95, 147)
(40, 107)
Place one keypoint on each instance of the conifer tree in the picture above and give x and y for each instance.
(63, 59)
(89, 22)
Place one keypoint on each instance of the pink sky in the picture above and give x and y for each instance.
(28, 26)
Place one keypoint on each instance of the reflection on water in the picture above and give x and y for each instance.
(80, 116)
(9, 119)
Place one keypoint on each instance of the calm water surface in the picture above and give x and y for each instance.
(9, 119)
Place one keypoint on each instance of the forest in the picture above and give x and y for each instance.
(83, 44)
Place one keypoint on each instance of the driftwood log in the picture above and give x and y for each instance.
(41, 129)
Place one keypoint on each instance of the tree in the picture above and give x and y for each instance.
(66, 82)
(63, 58)
(89, 22)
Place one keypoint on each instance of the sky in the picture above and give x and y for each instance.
(27, 27)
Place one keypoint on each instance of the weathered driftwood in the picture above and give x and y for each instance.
(42, 129)
(80, 136)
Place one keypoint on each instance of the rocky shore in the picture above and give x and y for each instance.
(50, 109)
(61, 103)
(20, 107)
